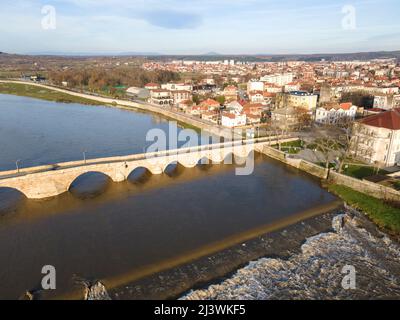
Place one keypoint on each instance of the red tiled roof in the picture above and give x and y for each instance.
(389, 120)
(210, 102)
(346, 106)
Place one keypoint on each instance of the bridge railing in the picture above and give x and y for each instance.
(142, 156)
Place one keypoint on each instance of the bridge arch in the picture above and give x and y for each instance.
(89, 184)
(10, 199)
(139, 174)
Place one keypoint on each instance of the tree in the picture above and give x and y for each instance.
(358, 98)
(220, 99)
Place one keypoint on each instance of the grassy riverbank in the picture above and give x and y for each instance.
(381, 213)
(25, 90)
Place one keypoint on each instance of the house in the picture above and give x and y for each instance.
(256, 96)
(212, 116)
(185, 105)
(152, 86)
(292, 86)
(254, 85)
(376, 139)
(232, 120)
(333, 113)
(211, 104)
(181, 95)
(234, 107)
(230, 93)
(253, 119)
(161, 97)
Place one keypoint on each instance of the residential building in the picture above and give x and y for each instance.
(334, 113)
(232, 120)
(161, 97)
(376, 139)
(297, 99)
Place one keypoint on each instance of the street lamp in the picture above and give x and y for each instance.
(84, 156)
(16, 164)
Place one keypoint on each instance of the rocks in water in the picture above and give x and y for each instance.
(338, 222)
(97, 291)
(317, 271)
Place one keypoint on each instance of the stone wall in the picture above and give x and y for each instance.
(364, 186)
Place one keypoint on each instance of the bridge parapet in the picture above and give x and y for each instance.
(57, 179)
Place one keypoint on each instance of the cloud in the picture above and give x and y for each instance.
(173, 19)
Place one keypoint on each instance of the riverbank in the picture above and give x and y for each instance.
(385, 215)
(316, 272)
(180, 117)
(26, 90)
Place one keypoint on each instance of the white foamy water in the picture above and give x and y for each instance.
(316, 272)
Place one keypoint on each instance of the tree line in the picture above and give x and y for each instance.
(98, 79)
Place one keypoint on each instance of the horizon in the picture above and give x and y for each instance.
(173, 27)
(210, 54)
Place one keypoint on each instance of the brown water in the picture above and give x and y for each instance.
(118, 232)
(132, 225)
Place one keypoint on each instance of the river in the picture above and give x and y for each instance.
(126, 231)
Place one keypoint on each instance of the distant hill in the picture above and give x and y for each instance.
(290, 57)
(216, 56)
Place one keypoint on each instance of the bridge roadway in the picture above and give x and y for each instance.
(52, 180)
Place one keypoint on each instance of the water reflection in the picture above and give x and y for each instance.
(90, 185)
(154, 219)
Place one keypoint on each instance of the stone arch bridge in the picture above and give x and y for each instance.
(52, 180)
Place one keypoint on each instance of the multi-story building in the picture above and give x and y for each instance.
(181, 95)
(387, 102)
(278, 79)
(171, 86)
(297, 99)
(161, 97)
(231, 120)
(334, 113)
(254, 85)
(376, 139)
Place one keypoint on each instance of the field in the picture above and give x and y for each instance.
(42, 93)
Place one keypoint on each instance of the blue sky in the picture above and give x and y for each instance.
(199, 26)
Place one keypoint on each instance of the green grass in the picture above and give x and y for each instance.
(43, 93)
(381, 213)
(292, 147)
(361, 172)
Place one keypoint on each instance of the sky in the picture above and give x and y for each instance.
(199, 26)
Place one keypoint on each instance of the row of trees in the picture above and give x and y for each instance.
(97, 79)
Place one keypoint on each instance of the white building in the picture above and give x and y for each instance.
(278, 79)
(232, 120)
(254, 85)
(376, 139)
(334, 113)
(161, 97)
(177, 86)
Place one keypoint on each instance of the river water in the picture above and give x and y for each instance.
(126, 231)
